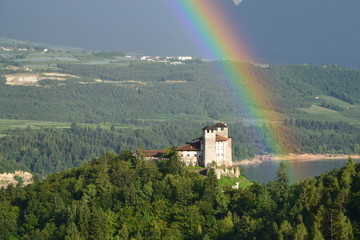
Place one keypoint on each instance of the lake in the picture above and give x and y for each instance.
(296, 169)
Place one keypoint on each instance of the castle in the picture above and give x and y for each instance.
(213, 149)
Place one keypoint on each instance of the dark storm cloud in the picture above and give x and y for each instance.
(126, 25)
(277, 31)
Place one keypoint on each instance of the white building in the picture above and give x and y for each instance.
(184, 58)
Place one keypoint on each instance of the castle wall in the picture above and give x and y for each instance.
(224, 153)
(220, 153)
(228, 152)
(227, 172)
(190, 158)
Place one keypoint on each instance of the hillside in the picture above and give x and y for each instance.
(121, 102)
(124, 197)
(86, 86)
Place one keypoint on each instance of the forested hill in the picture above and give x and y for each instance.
(124, 197)
(89, 92)
(44, 151)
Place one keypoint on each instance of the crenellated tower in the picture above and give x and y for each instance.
(216, 146)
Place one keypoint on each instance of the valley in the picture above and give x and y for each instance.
(54, 92)
(179, 120)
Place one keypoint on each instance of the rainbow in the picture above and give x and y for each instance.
(215, 34)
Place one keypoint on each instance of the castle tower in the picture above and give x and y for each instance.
(209, 144)
(217, 146)
(221, 129)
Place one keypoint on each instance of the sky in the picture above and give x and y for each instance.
(277, 31)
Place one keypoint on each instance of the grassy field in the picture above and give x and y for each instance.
(13, 124)
(334, 101)
(229, 182)
(194, 168)
(169, 117)
(323, 114)
(314, 109)
(353, 112)
(40, 60)
(350, 113)
(6, 124)
(244, 182)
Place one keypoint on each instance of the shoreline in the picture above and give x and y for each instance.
(295, 157)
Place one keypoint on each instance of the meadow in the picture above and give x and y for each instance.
(11, 124)
(6, 124)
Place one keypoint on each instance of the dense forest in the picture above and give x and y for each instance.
(43, 151)
(126, 197)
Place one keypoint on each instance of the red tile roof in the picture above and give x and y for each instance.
(153, 153)
(189, 147)
(221, 138)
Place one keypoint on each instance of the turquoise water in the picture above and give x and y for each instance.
(297, 169)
